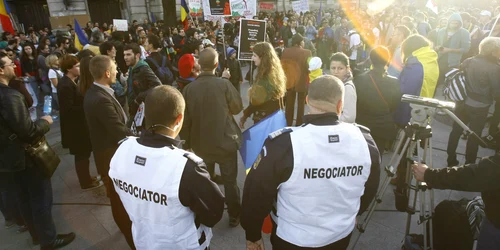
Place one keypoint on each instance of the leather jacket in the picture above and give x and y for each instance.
(16, 130)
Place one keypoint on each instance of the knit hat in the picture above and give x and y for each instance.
(230, 51)
(3, 45)
(185, 66)
(315, 63)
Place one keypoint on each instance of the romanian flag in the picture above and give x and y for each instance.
(80, 38)
(184, 14)
(5, 17)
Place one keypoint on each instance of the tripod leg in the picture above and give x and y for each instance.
(395, 159)
(409, 177)
(431, 192)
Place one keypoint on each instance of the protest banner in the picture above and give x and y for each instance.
(300, 6)
(239, 9)
(219, 7)
(120, 24)
(251, 32)
(195, 8)
(267, 6)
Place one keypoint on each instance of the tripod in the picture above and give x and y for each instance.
(416, 132)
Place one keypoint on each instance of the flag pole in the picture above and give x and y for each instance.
(494, 25)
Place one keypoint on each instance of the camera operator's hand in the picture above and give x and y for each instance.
(258, 245)
(419, 171)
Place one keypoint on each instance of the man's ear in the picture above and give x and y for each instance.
(216, 64)
(307, 99)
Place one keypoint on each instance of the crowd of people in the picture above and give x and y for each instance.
(166, 84)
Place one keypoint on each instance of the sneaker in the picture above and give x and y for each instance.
(9, 224)
(97, 178)
(61, 240)
(490, 142)
(93, 185)
(234, 221)
(22, 229)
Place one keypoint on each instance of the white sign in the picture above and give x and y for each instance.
(120, 24)
(300, 6)
(239, 8)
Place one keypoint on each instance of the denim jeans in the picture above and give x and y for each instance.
(35, 199)
(489, 237)
(229, 171)
(475, 118)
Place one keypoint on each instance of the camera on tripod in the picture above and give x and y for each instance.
(424, 108)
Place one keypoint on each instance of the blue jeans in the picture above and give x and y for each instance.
(35, 199)
(489, 237)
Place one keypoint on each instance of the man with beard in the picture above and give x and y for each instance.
(452, 43)
(141, 78)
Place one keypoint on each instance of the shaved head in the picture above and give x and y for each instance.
(208, 59)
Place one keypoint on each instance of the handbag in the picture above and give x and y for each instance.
(44, 156)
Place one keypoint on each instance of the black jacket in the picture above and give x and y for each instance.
(16, 129)
(483, 177)
(209, 126)
(235, 71)
(105, 119)
(74, 131)
(483, 78)
(196, 191)
(276, 167)
(141, 79)
(373, 110)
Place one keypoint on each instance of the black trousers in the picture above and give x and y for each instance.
(290, 106)
(82, 167)
(229, 172)
(495, 120)
(476, 119)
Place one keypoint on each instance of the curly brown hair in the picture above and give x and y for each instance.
(270, 68)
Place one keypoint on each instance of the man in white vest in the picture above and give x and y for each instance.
(314, 179)
(163, 197)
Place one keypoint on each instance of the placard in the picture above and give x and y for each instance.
(120, 24)
(239, 8)
(220, 7)
(300, 6)
(266, 6)
(195, 8)
(251, 33)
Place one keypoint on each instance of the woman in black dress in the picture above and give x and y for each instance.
(74, 131)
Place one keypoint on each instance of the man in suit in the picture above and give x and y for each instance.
(294, 61)
(106, 118)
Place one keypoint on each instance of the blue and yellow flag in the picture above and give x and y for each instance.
(80, 38)
(255, 136)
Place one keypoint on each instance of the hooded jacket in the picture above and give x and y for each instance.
(419, 77)
(140, 80)
(459, 40)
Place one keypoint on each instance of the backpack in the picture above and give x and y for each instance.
(345, 42)
(163, 73)
(451, 228)
(454, 85)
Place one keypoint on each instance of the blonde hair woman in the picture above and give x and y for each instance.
(52, 62)
(269, 84)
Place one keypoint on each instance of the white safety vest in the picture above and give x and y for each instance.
(147, 181)
(318, 204)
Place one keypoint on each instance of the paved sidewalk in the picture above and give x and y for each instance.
(88, 214)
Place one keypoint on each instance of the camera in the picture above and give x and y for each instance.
(428, 102)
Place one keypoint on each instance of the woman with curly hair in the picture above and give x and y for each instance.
(266, 94)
